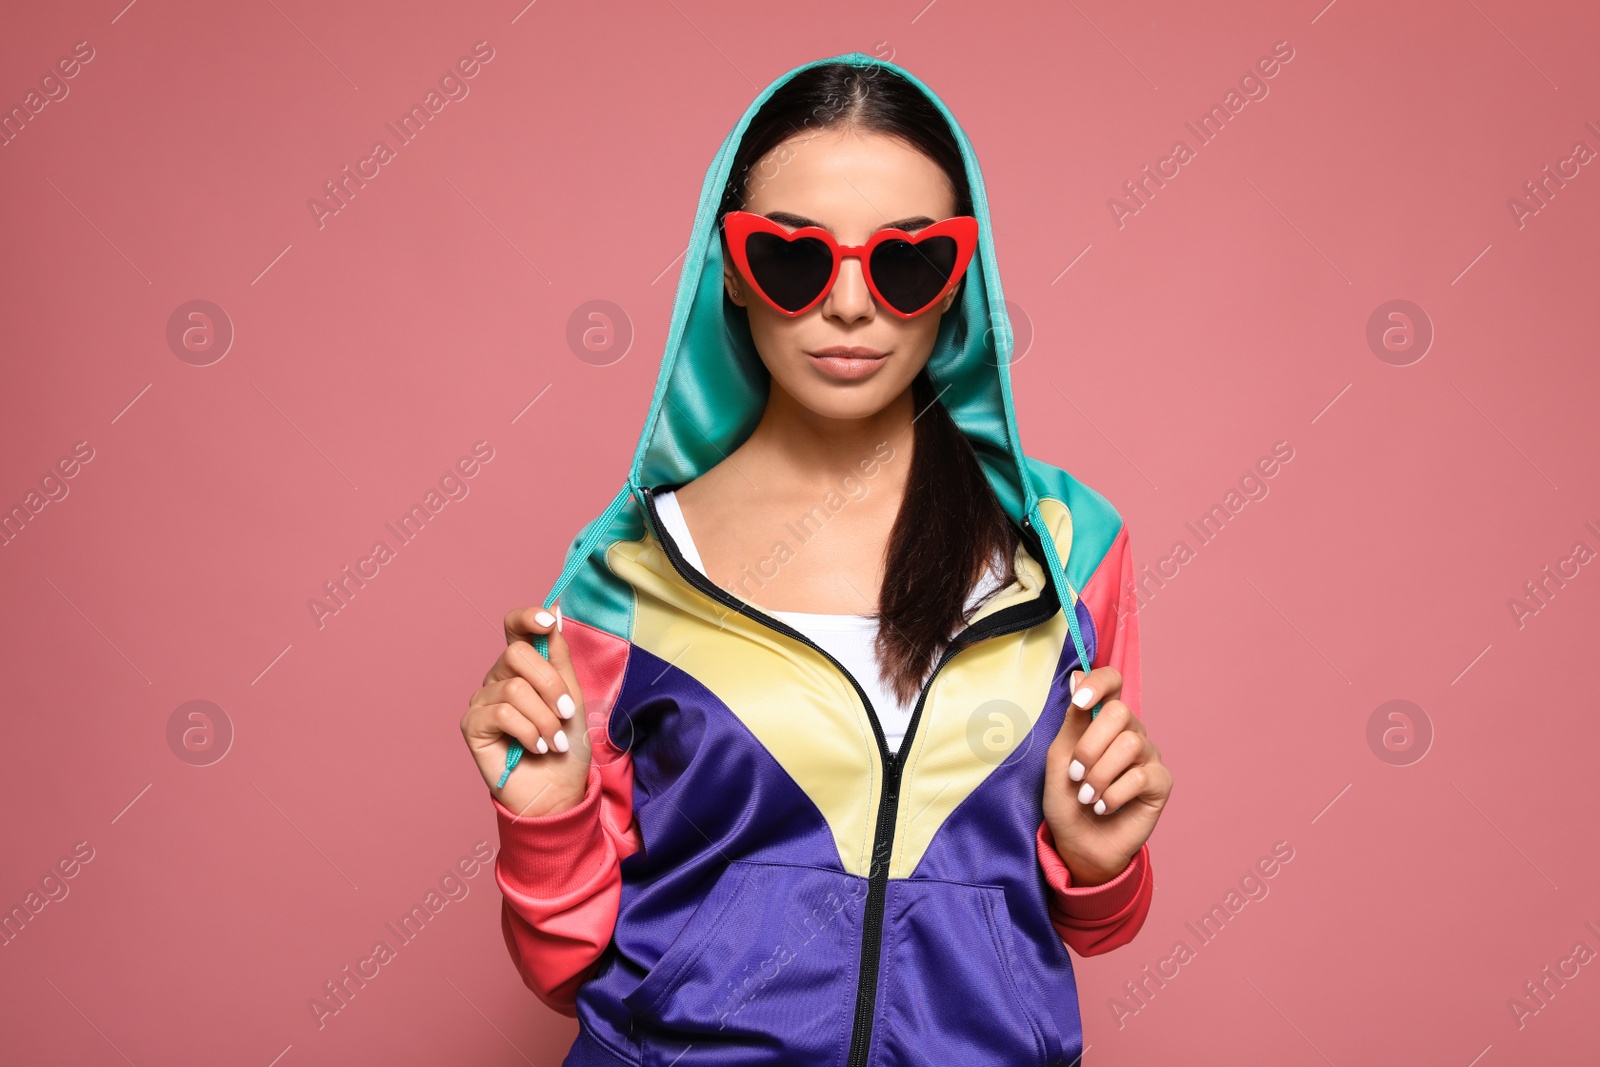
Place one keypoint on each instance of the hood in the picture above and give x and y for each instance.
(712, 388)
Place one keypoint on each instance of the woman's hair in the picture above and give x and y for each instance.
(950, 524)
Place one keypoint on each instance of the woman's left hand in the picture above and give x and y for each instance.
(1104, 782)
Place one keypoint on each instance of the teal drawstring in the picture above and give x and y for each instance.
(1058, 573)
(541, 642)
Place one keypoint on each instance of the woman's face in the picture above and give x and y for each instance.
(851, 183)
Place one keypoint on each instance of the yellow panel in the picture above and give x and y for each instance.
(787, 694)
(982, 705)
(1028, 584)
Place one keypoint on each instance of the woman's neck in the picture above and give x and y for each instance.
(811, 451)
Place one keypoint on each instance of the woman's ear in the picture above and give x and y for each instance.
(730, 276)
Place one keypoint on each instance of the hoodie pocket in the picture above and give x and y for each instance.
(954, 989)
(766, 966)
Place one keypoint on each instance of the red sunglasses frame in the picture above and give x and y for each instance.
(739, 225)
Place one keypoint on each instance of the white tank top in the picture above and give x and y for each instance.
(847, 638)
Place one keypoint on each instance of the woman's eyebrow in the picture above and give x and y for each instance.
(789, 218)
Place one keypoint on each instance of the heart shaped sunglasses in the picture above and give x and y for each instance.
(793, 270)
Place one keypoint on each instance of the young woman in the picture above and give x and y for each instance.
(810, 773)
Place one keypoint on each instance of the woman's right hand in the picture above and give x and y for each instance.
(537, 702)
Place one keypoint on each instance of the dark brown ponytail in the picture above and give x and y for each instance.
(949, 527)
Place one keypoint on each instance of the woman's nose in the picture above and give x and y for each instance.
(850, 299)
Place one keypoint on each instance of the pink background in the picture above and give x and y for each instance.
(1228, 314)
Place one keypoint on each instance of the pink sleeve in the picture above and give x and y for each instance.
(1097, 919)
(560, 874)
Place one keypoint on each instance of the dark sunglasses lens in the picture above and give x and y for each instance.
(910, 275)
(791, 273)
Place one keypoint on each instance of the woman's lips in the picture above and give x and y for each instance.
(847, 363)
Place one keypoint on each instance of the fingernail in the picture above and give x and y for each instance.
(561, 741)
(558, 618)
(1083, 697)
(1085, 794)
(566, 707)
(1100, 806)
(544, 618)
(1072, 681)
(541, 746)
(1075, 771)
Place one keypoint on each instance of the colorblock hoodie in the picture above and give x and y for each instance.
(752, 877)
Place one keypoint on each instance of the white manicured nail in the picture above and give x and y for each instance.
(541, 746)
(1075, 771)
(1086, 794)
(544, 618)
(565, 706)
(561, 741)
(1100, 806)
(1083, 697)
(558, 618)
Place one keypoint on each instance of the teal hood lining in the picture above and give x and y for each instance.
(712, 387)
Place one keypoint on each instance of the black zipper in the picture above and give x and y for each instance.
(1005, 621)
